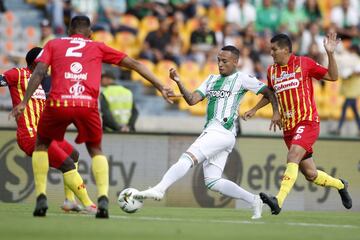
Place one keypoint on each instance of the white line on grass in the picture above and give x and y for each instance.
(162, 219)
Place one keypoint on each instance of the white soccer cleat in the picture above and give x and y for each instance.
(257, 207)
(92, 209)
(150, 193)
(71, 206)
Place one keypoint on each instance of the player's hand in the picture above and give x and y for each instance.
(330, 42)
(169, 93)
(18, 110)
(174, 75)
(275, 121)
(249, 114)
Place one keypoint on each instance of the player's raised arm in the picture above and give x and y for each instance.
(135, 65)
(191, 98)
(330, 43)
(34, 82)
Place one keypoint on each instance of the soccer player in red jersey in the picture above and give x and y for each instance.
(291, 78)
(62, 155)
(75, 73)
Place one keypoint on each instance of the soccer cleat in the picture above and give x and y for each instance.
(257, 207)
(150, 193)
(272, 202)
(103, 206)
(92, 209)
(345, 196)
(41, 206)
(71, 206)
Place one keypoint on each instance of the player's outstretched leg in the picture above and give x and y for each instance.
(150, 193)
(345, 196)
(272, 202)
(103, 206)
(41, 206)
(257, 207)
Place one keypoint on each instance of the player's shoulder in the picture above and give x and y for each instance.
(244, 76)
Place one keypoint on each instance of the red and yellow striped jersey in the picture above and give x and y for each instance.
(293, 86)
(17, 80)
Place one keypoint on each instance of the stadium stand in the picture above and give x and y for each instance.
(19, 31)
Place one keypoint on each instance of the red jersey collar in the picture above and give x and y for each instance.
(291, 59)
(78, 35)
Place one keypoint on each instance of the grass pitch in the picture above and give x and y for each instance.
(155, 223)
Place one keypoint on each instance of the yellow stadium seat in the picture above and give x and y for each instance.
(127, 42)
(209, 68)
(216, 15)
(189, 72)
(137, 77)
(130, 20)
(162, 72)
(147, 24)
(103, 36)
(199, 109)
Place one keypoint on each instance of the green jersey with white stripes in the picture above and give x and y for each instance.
(224, 94)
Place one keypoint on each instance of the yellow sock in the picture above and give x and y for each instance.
(325, 180)
(74, 181)
(287, 182)
(69, 195)
(100, 169)
(40, 165)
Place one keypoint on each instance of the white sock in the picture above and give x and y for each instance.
(175, 172)
(231, 189)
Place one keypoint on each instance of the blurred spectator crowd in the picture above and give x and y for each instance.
(188, 33)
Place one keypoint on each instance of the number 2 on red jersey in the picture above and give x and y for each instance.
(73, 51)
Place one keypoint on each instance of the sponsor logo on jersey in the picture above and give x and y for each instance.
(290, 84)
(77, 89)
(75, 74)
(219, 93)
(283, 76)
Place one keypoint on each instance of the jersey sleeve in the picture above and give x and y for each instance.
(202, 88)
(10, 77)
(110, 55)
(315, 69)
(252, 84)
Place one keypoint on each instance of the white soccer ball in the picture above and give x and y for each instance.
(126, 201)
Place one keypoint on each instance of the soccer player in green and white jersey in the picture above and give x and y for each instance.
(212, 147)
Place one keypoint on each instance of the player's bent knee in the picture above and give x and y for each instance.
(67, 165)
(75, 155)
(189, 158)
(210, 184)
(310, 175)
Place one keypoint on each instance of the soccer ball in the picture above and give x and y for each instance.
(126, 201)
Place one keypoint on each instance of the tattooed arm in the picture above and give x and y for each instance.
(191, 98)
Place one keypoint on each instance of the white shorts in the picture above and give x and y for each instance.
(213, 145)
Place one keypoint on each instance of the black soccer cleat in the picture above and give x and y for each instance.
(345, 196)
(103, 206)
(272, 202)
(41, 206)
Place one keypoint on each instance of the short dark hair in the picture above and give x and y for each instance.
(80, 22)
(282, 40)
(232, 49)
(32, 55)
